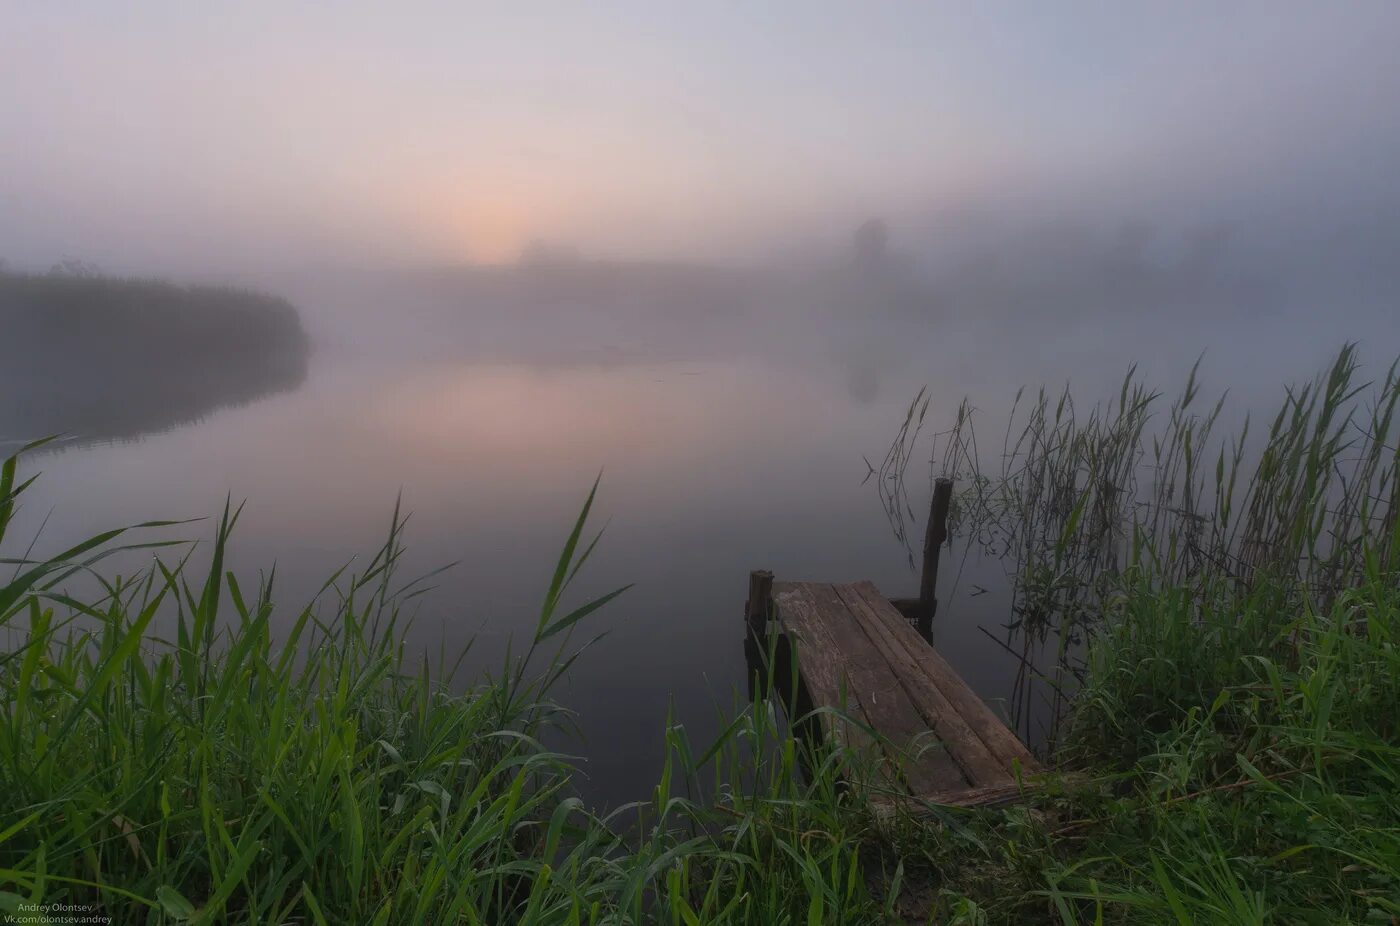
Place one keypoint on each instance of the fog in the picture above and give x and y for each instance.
(237, 139)
(713, 251)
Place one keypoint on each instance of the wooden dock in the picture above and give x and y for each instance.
(856, 651)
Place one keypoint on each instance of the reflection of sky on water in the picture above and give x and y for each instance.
(736, 448)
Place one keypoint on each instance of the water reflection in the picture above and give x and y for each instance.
(729, 441)
(100, 359)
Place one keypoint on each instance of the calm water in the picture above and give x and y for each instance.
(729, 440)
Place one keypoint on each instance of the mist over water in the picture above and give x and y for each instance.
(713, 253)
(730, 411)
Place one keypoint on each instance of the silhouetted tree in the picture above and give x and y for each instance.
(871, 245)
(73, 267)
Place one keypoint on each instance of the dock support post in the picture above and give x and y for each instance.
(934, 536)
(756, 608)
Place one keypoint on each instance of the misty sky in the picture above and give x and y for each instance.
(189, 136)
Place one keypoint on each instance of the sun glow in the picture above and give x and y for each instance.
(493, 231)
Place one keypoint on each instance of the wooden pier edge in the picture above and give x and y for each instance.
(936, 742)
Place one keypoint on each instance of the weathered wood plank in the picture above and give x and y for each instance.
(976, 797)
(923, 760)
(935, 740)
(819, 655)
(819, 673)
(979, 765)
(990, 730)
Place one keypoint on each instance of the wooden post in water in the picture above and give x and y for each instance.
(756, 608)
(934, 536)
(756, 650)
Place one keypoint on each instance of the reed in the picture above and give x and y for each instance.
(1080, 497)
(176, 746)
(1211, 623)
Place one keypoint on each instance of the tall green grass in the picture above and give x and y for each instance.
(177, 746)
(1250, 753)
(262, 765)
(1077, 498)
(1212, 622)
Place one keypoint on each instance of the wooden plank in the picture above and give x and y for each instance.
(923, 760)
(848, 642)
(819, 656)
(977, 797)
(979, 765)
(886, 806)
(990, 730)
(819, 674)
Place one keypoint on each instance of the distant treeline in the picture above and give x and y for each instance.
(98, 357)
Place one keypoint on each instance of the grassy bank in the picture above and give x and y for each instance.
(177, 745)
(248, 764)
